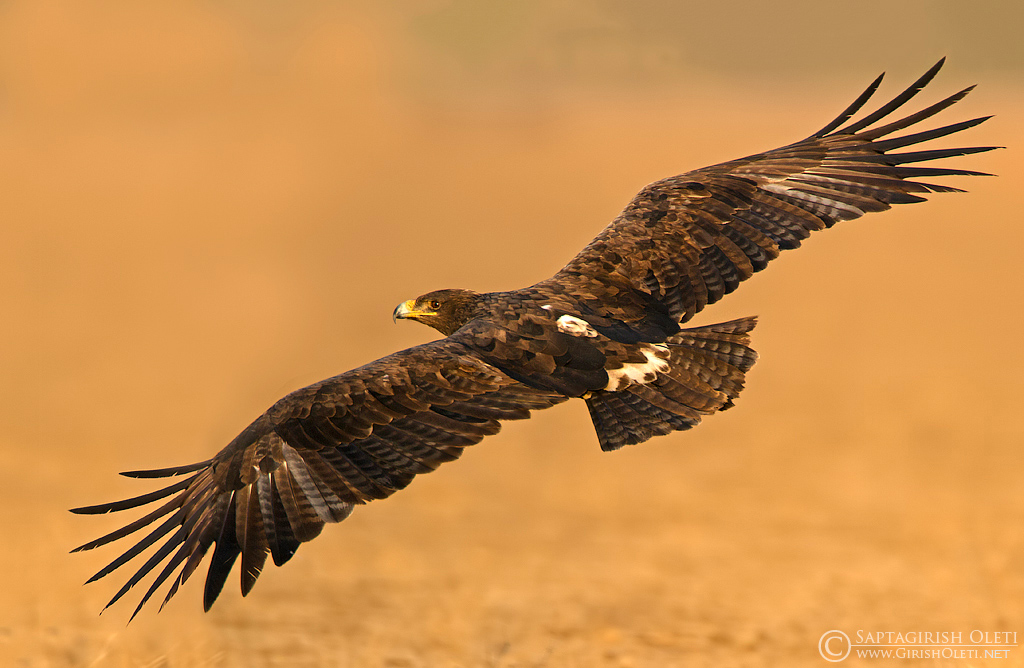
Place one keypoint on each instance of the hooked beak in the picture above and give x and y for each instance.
(404, 311)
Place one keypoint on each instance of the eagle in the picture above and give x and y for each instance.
(607, 328)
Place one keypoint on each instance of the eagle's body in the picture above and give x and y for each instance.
(607, 328)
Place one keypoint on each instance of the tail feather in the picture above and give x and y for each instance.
(706, 373)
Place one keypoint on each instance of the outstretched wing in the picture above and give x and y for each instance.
(685, 241)
(309, 459)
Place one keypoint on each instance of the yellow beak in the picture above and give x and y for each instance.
(406, 310)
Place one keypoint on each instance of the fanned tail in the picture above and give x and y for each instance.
(706, 372)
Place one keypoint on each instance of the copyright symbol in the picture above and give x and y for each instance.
(834, 646)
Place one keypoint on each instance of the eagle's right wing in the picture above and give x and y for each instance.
(685, 241)
(311, 457)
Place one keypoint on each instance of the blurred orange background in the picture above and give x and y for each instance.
(210, 204)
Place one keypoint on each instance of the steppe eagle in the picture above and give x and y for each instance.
(605, 329)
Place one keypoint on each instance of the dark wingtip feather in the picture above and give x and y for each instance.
(926, 135)
(913, 119)
(167, 472)
(137, 549)
(225, 552)
(180, 555)
(217, 575)
(169, 546)
(923, 156)
(135, 501)
(907, 172)
(170, 506)
(853, 108)
(896, 102)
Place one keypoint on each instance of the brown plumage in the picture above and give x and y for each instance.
(606, 328)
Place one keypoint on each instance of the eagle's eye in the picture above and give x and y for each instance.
(434, 305)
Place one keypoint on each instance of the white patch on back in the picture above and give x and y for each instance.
(546, 307)
(639, 372)
(577, 327)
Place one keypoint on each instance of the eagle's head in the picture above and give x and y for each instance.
(444, 310)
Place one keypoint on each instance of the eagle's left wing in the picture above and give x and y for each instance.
(684, 242)
(311, 457)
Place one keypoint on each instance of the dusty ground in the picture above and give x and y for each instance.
(207, 207)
